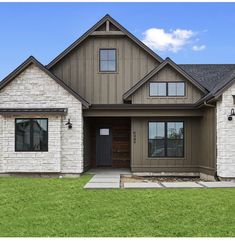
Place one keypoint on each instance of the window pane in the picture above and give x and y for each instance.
(180, 89)
(157, 89)
(175, 130)
(103, 54)
(22, 134)
(172, 89)
(176, 89)
(108, 60)
(104, 131)
(112, 55)
(153, 89)
(40, 137)
(111, 66)
(175, 148)
(156, 148)
(104, 66)
(156, 130)
(162, 89)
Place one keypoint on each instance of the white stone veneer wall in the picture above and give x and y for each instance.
(226, 135)
(35, 89)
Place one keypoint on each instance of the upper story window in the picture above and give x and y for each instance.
(108, 60)
(31, 134)
(176, 89)
(163, 89)
(158, 89)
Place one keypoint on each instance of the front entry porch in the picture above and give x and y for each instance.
(107, 142)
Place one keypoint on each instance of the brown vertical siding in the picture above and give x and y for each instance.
(80, 69)
(208, 142)
(140, 161)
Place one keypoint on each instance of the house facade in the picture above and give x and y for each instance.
(110, 101)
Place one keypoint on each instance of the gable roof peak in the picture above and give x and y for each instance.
(93, 28)
(155, 70)
(32, 60)
(107, 15)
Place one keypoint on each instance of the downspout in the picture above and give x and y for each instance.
(215, 175)
(212, 106)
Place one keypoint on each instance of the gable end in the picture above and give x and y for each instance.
(31, 60)
(106, 23)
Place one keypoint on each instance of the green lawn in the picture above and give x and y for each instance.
(61, 207)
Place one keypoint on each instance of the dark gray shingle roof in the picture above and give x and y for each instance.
(227, 78)
(211, 76)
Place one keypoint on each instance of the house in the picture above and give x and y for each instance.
(110, 101)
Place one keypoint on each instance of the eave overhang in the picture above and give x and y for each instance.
(142, 106)
(41, 111)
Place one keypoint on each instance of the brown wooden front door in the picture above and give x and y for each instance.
(104, 146)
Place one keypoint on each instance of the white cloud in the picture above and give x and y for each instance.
(199, 47)
(160, 40)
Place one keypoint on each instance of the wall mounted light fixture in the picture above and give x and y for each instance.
(69, 124)
(230, 118)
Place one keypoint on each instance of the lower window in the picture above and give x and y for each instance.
(166, 139)
(31, 134)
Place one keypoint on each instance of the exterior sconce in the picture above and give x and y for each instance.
(69, 124)
(231, 114)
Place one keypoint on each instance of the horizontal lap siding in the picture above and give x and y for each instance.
(140, 160)
(80, 69)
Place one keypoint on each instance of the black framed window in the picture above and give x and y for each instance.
(166, 139)
(176, 89)
(31, 134)
(160, 89)
(108, 60)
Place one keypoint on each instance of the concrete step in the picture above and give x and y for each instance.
(218, 184)
(103, 185)
(104, 179)
(181, 184)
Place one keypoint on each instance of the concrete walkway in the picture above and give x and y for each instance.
(179, 184)
(110, 178)
(106, 178)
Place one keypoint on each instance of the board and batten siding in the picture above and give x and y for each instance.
(167, 74)
(207, 137)
(140, 162)
(80, 69)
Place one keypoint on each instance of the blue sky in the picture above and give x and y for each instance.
(186, 32)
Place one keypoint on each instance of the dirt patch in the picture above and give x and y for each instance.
(158, 179)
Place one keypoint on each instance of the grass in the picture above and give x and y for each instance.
(33, 207)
